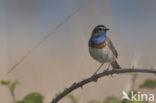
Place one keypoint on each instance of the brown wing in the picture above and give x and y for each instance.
(111, 46)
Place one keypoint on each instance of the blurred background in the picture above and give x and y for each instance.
(64, 58)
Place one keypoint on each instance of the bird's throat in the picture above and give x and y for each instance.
(99, 40)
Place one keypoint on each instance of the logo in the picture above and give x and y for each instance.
(138, 96)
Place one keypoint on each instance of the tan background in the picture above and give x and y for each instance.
(64, 58)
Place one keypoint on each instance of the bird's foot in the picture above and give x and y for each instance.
(107, 68)
(94, 74)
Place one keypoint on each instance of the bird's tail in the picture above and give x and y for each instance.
(115, 65)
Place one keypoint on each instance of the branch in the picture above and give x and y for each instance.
(95, 77)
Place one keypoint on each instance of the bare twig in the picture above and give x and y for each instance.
(95, 77)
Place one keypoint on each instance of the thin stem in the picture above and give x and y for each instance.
(133, 82)
(13, 96)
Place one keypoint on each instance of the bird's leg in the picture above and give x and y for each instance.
(99, 68)
(108, 67)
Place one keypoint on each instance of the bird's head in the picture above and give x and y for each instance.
(99, 34)
(99, 30)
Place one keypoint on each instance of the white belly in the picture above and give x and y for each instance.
(102, 55)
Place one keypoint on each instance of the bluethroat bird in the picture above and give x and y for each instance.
(101, 47)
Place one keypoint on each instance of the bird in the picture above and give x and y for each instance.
(101, 47)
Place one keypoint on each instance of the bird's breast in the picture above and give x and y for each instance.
(97, 46)
(101, 54)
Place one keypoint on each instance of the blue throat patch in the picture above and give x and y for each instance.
(100, 39)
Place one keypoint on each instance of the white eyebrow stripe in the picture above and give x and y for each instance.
(102, 27)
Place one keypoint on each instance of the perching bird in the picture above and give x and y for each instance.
(101, 47)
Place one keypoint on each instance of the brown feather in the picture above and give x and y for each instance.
(97, 46)
(111, 46)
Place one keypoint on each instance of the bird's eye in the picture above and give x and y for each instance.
(100, 29)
